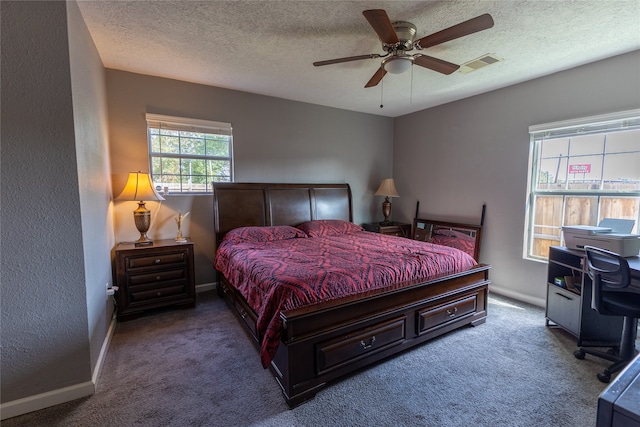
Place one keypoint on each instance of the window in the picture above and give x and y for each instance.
(187, 155)
(581, 171)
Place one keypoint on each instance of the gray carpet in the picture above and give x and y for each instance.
(195, 367)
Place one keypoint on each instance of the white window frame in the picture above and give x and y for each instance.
(602, 124)
(183, 124)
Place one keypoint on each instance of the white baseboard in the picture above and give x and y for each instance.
(62, 395)
(206, 287)
(540, 302)
(103, 351)
(44, 400)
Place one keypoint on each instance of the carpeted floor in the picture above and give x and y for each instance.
(196, 368)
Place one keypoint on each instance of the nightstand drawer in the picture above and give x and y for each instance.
(155, 277)
(394, 231)
(155, 260)
(156, 293)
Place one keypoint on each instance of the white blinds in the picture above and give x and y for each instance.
(625, 120)
(158, 121)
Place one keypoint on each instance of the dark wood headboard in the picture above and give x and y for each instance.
(259, 204)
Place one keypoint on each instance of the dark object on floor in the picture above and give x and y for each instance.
(619, 403)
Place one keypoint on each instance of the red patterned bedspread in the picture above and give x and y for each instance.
(288, 273)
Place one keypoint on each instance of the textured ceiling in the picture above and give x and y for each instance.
(268, 47)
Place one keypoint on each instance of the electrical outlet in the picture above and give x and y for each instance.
(110, 290)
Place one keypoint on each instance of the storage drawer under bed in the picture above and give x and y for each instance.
(435, 317)
(362, 343)
(248, 317)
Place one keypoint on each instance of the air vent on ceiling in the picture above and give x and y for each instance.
(478, 63)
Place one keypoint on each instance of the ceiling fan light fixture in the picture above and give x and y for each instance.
(397, 64)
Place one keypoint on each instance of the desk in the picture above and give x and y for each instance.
(569, 307)
(619, 403)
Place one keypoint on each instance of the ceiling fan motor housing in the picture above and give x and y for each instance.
(406, 32)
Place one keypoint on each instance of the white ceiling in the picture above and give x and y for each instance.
(268, 47)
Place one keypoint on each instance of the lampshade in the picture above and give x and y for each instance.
(139, 187)
(387, 188)
(397, 64)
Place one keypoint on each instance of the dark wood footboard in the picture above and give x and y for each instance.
(327, 341)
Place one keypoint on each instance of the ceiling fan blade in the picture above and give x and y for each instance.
(471, 26)
(377, 77)
(381, 24)
(435, 64)
(347, 59)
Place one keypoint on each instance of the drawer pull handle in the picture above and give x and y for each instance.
(157, 277)
(158, 293)
(453, 312)
(368, 346)
(564, 296)
(158, 261)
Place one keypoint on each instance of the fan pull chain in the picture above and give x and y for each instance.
(411, 89)
(381, 91)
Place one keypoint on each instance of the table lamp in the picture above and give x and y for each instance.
(387, 189)
(140, 188)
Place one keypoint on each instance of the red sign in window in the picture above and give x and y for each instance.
(579, 168)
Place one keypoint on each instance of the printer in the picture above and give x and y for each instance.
(611, 234)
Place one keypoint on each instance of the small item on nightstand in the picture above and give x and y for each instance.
(179, 219)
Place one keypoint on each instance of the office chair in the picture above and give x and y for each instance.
(611, 276)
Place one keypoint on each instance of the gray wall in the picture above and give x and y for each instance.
(275, 140)
(88, 90)
(44, 311)
(55, 252)
(455, 157)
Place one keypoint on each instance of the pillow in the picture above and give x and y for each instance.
(328, 227)
(263, 234)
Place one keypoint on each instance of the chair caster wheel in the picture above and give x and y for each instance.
(604, 377)
(579, 354)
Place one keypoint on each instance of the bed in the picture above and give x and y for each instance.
(311, 342)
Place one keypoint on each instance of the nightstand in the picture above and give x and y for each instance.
(154, 276)
(394, 229)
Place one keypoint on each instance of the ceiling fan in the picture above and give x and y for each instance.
(397, 40)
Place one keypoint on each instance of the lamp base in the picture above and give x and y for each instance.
(386, 223)
(386, 211)
(143, 241)
(142, 219)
